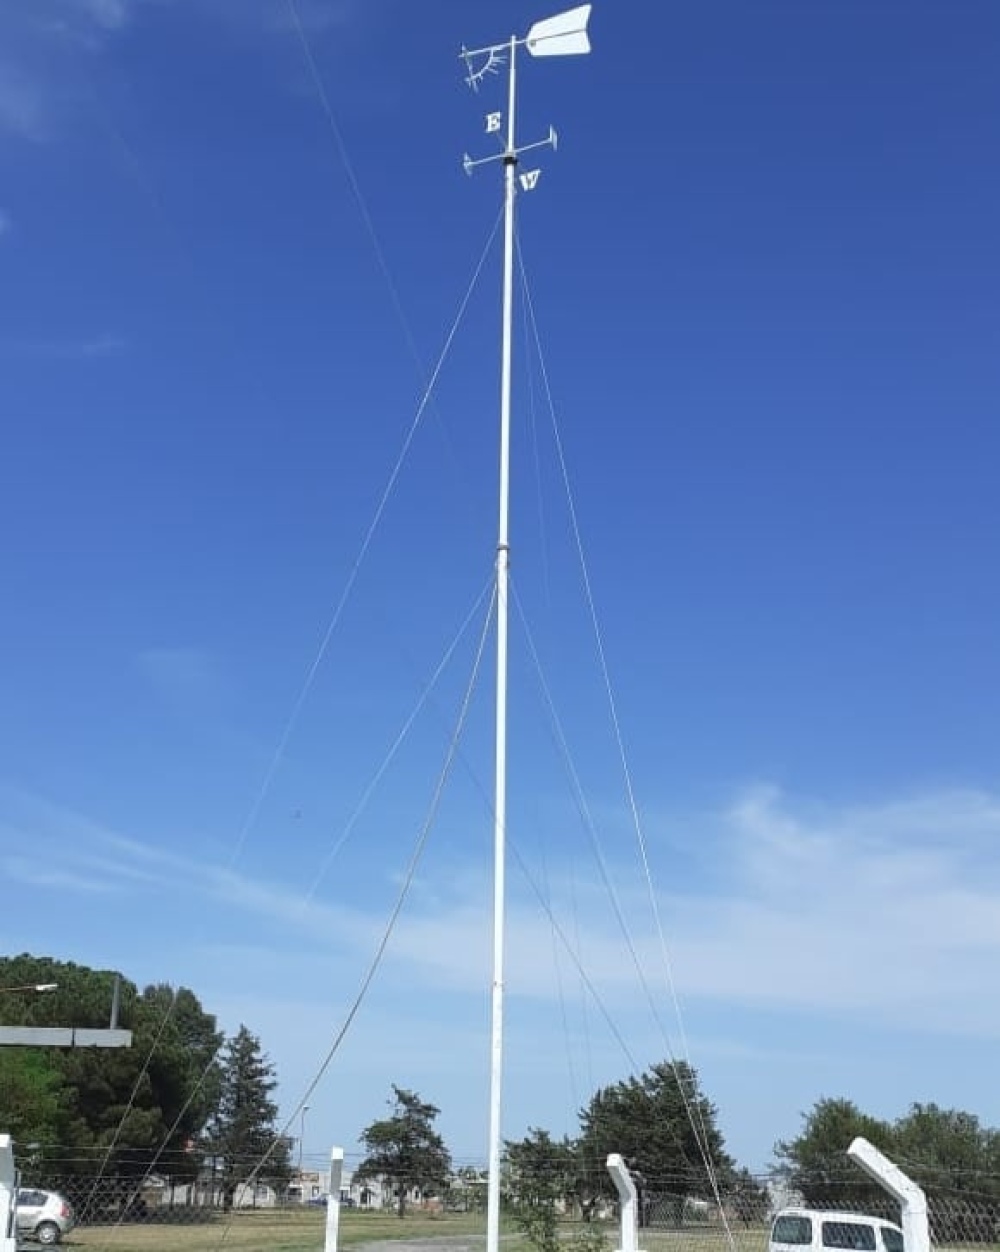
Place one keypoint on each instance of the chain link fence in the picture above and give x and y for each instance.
(962, 1212)
(676, 1215)
(190, 1193)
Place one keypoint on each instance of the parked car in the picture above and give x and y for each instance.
(812, 1230)
(43, 1215)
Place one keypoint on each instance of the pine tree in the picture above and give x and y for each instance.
(405, 1149)
(664, 1127)
(243, 1134)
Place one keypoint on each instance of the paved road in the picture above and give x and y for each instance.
(446, 1243)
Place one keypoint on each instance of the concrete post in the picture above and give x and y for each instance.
(8, 1196)
(333, 1200)
(629, 1202)
(916, 1228)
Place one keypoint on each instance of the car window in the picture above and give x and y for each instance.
(892, 1239)
(856, 1236)
(792, 1229)
(30, 1199)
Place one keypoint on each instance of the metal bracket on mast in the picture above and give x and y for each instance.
(493, 123)
(480, 62)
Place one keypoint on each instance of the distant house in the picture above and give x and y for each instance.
(782, 1196)
(308, 1184)
(369, 1193)
(256, 1195)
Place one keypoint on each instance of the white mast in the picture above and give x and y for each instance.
(562, 35)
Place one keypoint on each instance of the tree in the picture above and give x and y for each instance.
(242, 1136)
(541, 1176)
(185, 1070)
(935, 1141)
(663, 1126)
(948, 1152)
(30, 1096)
(405, 1149)
(120, 1110)
(815, 1163)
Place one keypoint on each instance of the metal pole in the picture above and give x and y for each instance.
(302, 1135)
(502, 575)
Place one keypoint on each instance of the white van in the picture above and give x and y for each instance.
(816, 1230)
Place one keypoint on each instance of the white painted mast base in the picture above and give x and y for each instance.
(628, 1199)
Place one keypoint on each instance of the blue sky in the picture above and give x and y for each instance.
(765, 270)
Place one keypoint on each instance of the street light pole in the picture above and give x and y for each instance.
(302, 1135)
(59, 1036)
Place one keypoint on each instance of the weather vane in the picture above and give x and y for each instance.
(565, 34)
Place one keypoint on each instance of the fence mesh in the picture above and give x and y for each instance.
(964, 1211)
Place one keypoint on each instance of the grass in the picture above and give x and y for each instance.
(703, 1239)
(297, 1230)
(273, 1230)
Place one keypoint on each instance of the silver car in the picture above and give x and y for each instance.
(43, 1215)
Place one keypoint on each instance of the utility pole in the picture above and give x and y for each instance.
(302, 1135)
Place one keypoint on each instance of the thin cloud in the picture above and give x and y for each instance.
(315, 16)
(35, 873)
(23, 112)
(109, 14)
(188, 681)
(888, 913)
(95, 348)
(41, 41)
(891, 911)
(79, 845)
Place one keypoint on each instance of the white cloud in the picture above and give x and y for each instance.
(891, 910)
(888, 914)
(858, 921)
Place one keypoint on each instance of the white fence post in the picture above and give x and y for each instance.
(629, 1200)
(333, 1199)
(8, 1196)
(916, 1230)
